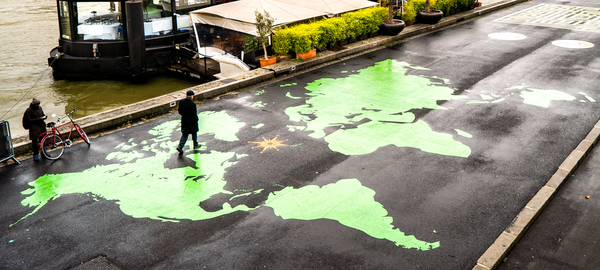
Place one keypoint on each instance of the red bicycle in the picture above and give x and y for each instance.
(53, 143)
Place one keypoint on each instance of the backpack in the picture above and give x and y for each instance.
(26, 124)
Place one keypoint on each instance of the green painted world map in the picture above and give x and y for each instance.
(370, 109)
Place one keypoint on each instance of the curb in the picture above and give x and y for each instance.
(517, 228)
(165, 103)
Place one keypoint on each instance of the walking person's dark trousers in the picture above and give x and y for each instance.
(184, 137)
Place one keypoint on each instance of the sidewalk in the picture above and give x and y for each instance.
(566, 235)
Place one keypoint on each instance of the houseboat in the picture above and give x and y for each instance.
(127, 39)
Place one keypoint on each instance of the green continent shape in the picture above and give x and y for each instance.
(347, 202)
(144, 188)
(370, 136)
(377, 100)
(220, 124)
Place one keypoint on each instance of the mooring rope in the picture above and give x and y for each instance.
(55, 57)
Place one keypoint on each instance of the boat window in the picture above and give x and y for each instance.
(183, 8)
(157, 18)
(99, 20)
(63, 18)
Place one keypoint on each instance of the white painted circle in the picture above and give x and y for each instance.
(507, 36)
(573, 44)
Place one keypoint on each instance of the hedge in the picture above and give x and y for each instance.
(413, 6)
(305, 37)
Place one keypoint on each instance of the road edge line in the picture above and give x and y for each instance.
(494, 255)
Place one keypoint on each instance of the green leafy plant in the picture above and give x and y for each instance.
(264, 28)
(410, 12)
(304, 38)
(282, 41)
(327, 33)
(444, 5)
(365, 21)
(463, 3)
(341, 29)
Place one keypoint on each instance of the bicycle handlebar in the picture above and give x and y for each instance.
(66, 115)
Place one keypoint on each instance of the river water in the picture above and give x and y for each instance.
(28, 31)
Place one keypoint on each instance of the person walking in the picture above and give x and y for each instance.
(189, 121)
(33, 119)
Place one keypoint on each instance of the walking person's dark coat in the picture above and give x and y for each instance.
(189, 121)
(189, 116)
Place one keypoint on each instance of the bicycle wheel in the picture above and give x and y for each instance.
(53, 146)
(82, 134)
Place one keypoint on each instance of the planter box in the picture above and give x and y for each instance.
(307, 55)
(374, 34)
(363, 37)
(267, 62)
(430, 18)
(343, 42)
(392, 29)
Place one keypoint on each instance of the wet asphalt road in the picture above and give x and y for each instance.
(464, 203)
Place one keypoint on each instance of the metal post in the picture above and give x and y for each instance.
(135, 37)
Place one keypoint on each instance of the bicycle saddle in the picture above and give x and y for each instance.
(51, 124)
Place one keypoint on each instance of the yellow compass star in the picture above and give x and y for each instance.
(267, 144)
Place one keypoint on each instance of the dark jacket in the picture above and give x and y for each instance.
(189, 116)
(34, 115)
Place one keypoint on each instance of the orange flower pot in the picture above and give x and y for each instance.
(312, 53)
(267, 62)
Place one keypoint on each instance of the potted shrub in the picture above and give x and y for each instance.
(372, 19)
(264, 28)
(282, 43)
(391, 26)
(304, 42)
(444, 6)
(326, 34)
(410, 14)
(427, 15)
(338, 34)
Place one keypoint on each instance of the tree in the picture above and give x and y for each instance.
(264, 28)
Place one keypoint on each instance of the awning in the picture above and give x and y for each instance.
(239, 15)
